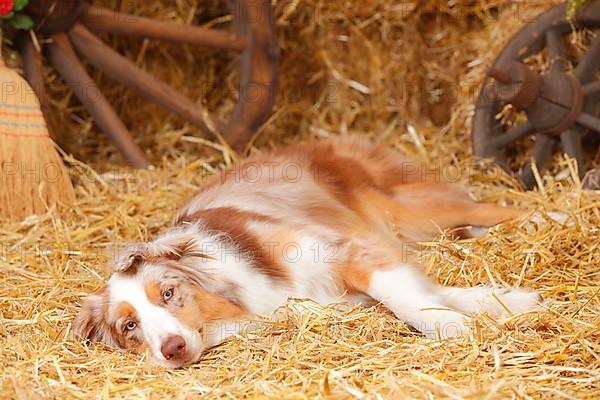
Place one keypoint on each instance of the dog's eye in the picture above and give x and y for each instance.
(168, 294)
(131, 325)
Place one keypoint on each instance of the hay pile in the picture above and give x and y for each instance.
(369, 51)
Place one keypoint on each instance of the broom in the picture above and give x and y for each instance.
(33, 177)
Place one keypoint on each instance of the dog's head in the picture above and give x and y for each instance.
(160, 299)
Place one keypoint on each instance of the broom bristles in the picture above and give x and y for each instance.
(33, 177)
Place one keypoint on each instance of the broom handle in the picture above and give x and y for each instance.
(32, 67)
(1, 45)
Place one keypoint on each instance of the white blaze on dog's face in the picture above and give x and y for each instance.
(158, 306)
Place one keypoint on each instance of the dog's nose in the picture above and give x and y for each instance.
(173, 348)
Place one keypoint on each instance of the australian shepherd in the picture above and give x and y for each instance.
(327, 220)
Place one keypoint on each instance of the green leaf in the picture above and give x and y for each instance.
(19, 4)
(21, 21)
(8, 16)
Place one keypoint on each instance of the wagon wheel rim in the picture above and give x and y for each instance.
(72, 26)
(490, 139)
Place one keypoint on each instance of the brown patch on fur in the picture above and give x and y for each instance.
(425, 209)
(367, 254)
(207, 307)
(275, 239)
(133, 344)
(125, 310)
(233, 223)
(356, 279)
(153, 291)
(343, 178)
(358, 162)
(387, 167)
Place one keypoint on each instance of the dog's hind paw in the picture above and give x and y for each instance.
(513, 301)
(497, 301)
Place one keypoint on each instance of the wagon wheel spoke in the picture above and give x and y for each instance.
(513, 134)
(114, 22)
(556, 50)
(65, 61)
(589, 121)
(258, 79)
(542, 151)
(120, 68)
(591, 89)
(571, 141)
(588, 66)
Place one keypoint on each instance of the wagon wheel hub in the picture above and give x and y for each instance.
(552, 102)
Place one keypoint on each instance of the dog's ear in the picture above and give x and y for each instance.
(130, 257)
(90, 324)
(173, 246)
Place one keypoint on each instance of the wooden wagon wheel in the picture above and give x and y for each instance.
(70, 23)
(560, 106)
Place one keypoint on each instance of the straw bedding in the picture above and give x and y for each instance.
(366, 52)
